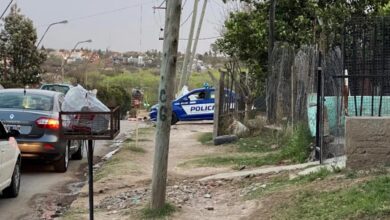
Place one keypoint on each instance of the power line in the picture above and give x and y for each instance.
(109, 11)
(188, 17)
(203, 38)
(9, 4)
(184, 4)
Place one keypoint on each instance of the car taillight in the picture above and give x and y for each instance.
(48, 123)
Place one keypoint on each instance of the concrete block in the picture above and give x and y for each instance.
(367, 142)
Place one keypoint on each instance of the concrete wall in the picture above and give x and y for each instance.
(367, 142)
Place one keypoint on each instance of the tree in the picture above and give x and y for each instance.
(298, 22)
(385, 10)
(21, 59)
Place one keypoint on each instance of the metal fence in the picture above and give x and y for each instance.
(362, 87)
(234, 101)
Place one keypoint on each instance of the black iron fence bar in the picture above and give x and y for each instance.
(318, 116)
(361, 96)
(355, 102)
(372, 99)
(381, 79)
(380, 99)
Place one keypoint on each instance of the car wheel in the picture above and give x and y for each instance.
(61, 165)
(13, 190)
(174, 119)
(78, 155)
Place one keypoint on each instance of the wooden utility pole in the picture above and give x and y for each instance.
(195, 43)
(166, 94)
(189, 46)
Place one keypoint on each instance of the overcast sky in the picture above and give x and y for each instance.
(114, 24)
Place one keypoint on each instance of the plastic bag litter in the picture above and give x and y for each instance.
(78, 99)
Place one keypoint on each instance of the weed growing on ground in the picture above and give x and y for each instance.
(74, 214)
(133, 148)
(294, 149)
(237, 161)
(297, 149)
(205, 137)
(167, 210)
(284, 181)
(268, 141)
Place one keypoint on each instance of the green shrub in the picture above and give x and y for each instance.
(115, 96)
(297, 149)
(9, 84)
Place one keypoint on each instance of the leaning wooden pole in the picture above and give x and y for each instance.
(166, 94)
(187, 56)
(193, 53)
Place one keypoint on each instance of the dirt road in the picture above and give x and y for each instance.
(40, 179)
(124, 188)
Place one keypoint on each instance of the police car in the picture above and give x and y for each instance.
(198, 104)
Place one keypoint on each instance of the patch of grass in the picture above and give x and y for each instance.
(237, 161)
(283, 181)
(146, 130)
(133, 148)
(107, 169)
(351, 174)
(267, 141)
(297, 149)
(319, 175)
(205, 137)
(167, 210)
(119, 164)
(74, 214)
(128, 140)
(368, 200)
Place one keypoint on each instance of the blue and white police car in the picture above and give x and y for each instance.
(198, 104)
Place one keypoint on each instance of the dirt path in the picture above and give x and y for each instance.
(120, 196)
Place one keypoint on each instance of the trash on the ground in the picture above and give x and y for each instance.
(239, 129)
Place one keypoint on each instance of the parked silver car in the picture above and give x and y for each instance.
(34, 113)
(63, 88)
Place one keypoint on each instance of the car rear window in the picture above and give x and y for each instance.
(28, 101)
(57, 88)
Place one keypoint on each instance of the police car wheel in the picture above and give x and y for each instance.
(174, 119)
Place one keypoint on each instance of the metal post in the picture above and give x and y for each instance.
(322, 127)
(318, 116)
(364, 73)
(90, 178)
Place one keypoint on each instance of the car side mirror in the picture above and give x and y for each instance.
(14, 133)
